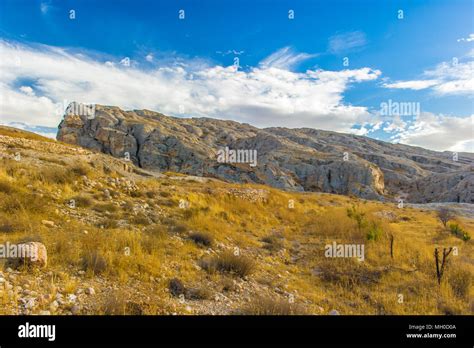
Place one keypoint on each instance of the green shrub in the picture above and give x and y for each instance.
(359, 217)
(375, 232)
(459, 232)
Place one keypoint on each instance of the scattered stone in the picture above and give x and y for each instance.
(75, 310)
(48, 223)
(90, 291)
(31, 303)
(53, 306)
(334, 312)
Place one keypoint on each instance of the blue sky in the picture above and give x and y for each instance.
(322, 64)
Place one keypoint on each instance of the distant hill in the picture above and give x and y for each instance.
(293, 159)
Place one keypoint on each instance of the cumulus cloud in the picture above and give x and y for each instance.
(266, 95)
(345, 42)
(453, 78)
(438, 132)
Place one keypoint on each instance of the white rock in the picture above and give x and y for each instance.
(90, 291)
(30, 303)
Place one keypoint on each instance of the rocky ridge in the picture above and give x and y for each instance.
(292, 159)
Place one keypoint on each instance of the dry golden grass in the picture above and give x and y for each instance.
(278, 246)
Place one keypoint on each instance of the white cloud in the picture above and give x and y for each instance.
(414, 84)
(285, 58)
(149, 57)
(264, 96)
(27, 90)
(44, 7)
(453, 78)
(346, 42)
(467, 39)
(439, 132)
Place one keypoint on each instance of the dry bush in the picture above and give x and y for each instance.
(108, 223)
(460, 281)
(14, 204)
(94, 261)
(176, 287)
(347, 273)
(200, 293)
(118, 303)
(54, 175)
(273, 242)
(105, 207)
(271, 306)
(6, 227)
(140, 219)
(7, 187)
(227, 262)
(444, 215)
(82, 201)
(201, 238)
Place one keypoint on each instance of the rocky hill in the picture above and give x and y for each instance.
(119, 239)
(292, 159)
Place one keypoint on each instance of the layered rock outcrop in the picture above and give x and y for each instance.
(294, 159)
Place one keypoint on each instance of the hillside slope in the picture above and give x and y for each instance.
(292, 159)
(121, 239)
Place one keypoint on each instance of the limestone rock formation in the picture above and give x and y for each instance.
(294, 159)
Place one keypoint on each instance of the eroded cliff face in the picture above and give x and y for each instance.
(294, 159)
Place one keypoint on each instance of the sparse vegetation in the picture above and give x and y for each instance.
(271, 306)
(459, 232)
(201, 238)
(444, 215)
(141, 247)
(228, 262)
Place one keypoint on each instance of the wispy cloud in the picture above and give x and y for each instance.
(413, 84)
(45, 7)
(345, 42)
(285, 58)
(466, 39)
